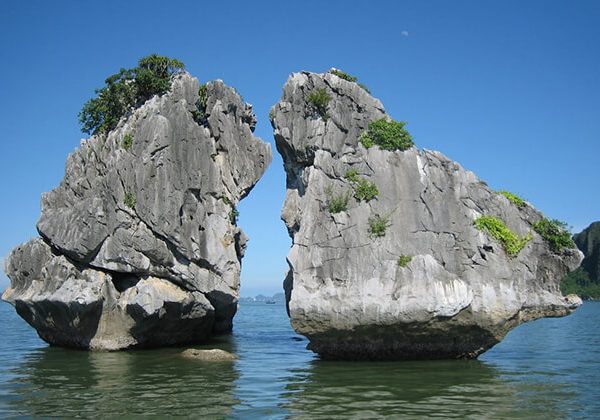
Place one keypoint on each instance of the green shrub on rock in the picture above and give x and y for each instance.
(388, 135)
(513, 198)
(555, 232)
(352, 175)
(512, 243)
(378, 225)
(199, 114)
(338, 203)
(319, 99)
(403, 260)
(366, 140)
(127, 141)
(343, 75)
(364, 190)
(346, 76)
(125, 90)
(129, 200)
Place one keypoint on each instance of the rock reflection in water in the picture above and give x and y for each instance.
(57, 382)
(546, 369)
(453, 388)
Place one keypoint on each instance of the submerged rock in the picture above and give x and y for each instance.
(211, 355)
(404, 273)
(139, 244)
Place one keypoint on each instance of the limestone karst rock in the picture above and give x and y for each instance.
(588, 241)
(406, 274)
(139, 244)
(585, 281)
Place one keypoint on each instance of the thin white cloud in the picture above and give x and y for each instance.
(404, 33)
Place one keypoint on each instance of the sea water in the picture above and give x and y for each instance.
(547, 369)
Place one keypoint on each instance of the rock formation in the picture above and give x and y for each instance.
(585, 281)
(406, 273)
(588, 241)
(139, 244)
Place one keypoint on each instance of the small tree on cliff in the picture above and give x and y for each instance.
(127, 89)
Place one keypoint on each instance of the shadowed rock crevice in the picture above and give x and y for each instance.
(123, 281)
(146, 252)
(406, 274)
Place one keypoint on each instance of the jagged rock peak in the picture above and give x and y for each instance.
(392, 257)
(139, 244)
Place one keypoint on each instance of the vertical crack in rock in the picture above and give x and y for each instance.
(137, 244)
(406, 274)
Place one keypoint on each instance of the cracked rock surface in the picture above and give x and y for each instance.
(346, 290)
(139, 244)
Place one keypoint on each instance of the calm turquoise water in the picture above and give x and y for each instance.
(545, 369)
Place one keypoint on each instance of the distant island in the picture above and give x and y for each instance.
(585, 281)
(276, 298)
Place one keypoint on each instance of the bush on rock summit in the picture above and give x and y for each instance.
(125, 90)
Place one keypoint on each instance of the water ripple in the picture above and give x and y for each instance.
(545, 369)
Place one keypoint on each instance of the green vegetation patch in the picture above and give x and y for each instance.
(125, 90)
(378, 225)
(344, 75)
(512, 243)
(129, 200)
(366, 140)
(388, 135)
(319, 99)
(555, 232)
(338, 203)
(352, 175)
(580, 283)
(199, 114)
(513, 198)
(403, 260)
(127, 141)
(233, 215)
(364, 190)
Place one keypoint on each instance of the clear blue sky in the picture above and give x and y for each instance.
(509, 89)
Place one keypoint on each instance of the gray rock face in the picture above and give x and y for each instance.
(588, 241)
(347, 289)
(139, 245)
